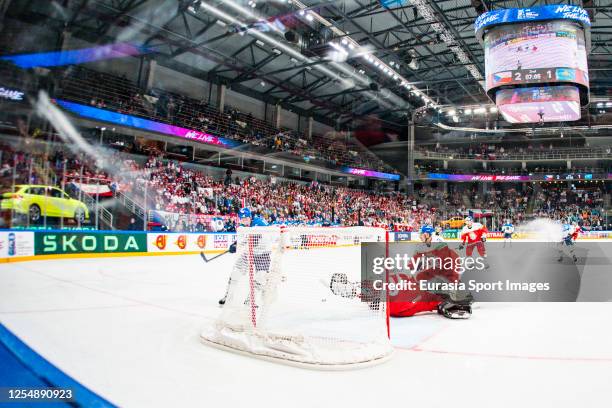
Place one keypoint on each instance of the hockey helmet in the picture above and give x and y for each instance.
(244, 213)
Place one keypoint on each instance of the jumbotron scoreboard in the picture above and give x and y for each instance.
(536, 61)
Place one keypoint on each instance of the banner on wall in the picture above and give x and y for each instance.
(16, 244)
(450, 233)
(402, 236)
(188, 242)
(47, 243)
(595, 234)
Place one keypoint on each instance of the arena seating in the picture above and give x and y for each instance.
(173, 188)
(112, 92)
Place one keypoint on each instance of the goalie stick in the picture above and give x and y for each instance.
(221, 301)
(214, 257)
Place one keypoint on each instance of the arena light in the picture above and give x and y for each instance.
(493, 109)
(338, 48)
(480, 111)
(608, 104)
(350, 43)
(468, 111)
(429, 15)
(600, 104)
(452, 112)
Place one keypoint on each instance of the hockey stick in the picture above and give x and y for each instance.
(214, 257)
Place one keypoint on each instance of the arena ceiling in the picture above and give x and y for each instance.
(385, 61)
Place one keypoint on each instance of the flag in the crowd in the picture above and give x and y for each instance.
(206, 192)
(477, 213)
(101, 190)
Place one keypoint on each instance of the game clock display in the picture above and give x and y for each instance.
(539, 52)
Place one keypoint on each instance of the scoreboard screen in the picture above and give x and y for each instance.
(539, 104)
(535, 52)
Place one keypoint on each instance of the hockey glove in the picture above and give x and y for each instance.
(461, 246)
(232, 248)
(483, 238)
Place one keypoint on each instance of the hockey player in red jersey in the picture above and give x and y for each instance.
(570, 233)
(473, 236)
(409, 302)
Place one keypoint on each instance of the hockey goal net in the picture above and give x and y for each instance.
(294, 296)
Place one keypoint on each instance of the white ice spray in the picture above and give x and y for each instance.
(542, 230)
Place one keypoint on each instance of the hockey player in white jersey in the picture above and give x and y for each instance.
(438, 234)
(255, 251)
(507, 230)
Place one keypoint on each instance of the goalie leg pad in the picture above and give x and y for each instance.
(340, 286)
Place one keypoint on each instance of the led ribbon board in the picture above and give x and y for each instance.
(476, 177)
(11, 94)
(122, 119)
(516, 15)
(507, 178)
(71, 57)
(370, 173)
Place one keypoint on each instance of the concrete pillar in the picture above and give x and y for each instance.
(277, 116)
(410, 173)
(569, 164)
(66, 36)
(150, 74)
(4, 5)
(309, 122)
(484, 165)
(220, 97)
(524, 165)
(445, 164)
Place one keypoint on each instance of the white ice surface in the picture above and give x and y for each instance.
(128, 328)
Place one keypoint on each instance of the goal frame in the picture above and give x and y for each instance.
(290, 362)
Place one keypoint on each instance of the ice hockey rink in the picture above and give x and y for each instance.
(128, 329)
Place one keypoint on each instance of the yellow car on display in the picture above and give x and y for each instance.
(36, 201)
(453, 223)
